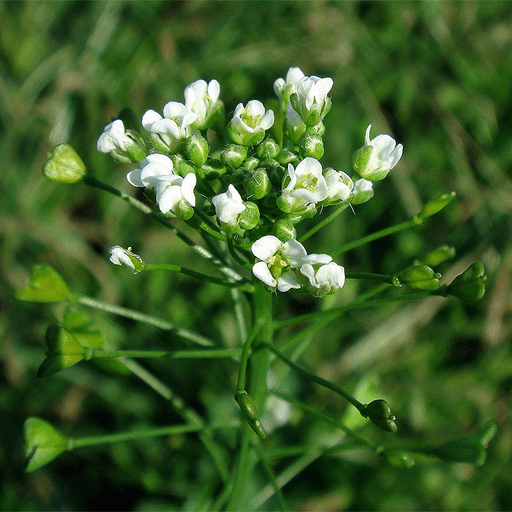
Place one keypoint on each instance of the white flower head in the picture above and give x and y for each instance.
(154, 169)
(310, 99)
(126, 258)
(168, 131)
(305, 185)
(176, 195)
(377, 157)
(228, 206)
(120, 143)
(249, 123)
(324, 279)
(203, 100)
(339, 186)
(284, 89)
(278, 262)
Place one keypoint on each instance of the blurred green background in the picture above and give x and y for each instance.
(435, 75)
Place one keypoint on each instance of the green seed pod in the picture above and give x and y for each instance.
(64, 165)
(249, 412)
(380, 415)
(45, 285)
(419, 277)
(437, 256)
(470, 285)
(435, 205)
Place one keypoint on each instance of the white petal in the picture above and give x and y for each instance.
(214, 90)
(286, 281)
(266, 247)
(261, 271)
(133, 178)
(150, 117)
(267, 120)
(174, 110)
(187, 188)
(295, 252)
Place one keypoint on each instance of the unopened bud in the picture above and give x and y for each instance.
(380, 415)
(311, 145)
(249, 412)
(284, 230)
(213, 169)
(435, 205)
(268, 149)
(419, 277)
(250, 217)
(257, 184)
(233, 155)
(197, 149)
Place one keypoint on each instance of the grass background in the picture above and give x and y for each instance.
(436, 75)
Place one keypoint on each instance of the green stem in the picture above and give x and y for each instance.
(323, 223)
(336, 312)
(315, 378)
(142, 317)
(218, 353)
(413, 221)
(368, 275)
(198, 249)
(262, 313)
(198, 275)
(244, 359)
(197, 223)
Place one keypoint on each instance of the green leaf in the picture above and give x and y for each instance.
(43, 443)
(64, 350)
(45, 286)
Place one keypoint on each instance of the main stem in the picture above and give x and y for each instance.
(259, 361)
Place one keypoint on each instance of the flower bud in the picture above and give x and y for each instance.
(437, 256)
(233, 155)
(64, 350)
(419, 277)
(399, 459)
(249, 123)
(362, 191)
(284, 230)
(196, 149)
(249, 412)
(126, 258)
(311, 145)
(268, 149)
(43, 443)
(213, 169)
(250, 217)
(435, 205)
(251, 163)
(286, 157)
(470, 285)
(45, 285)
(380, 415)
(257, 184)
(64, 165)
(180, 166)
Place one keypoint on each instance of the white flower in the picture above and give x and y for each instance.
(325, 279)
(168, 131)
(311, 101)
(228, 206)
(284, 89)
(126, 258)
(249, 123)
(176, 195)
(202, 99)
(154, 169)
(278, 262)
(305, 186)
(120, 144)
(339, 186)
(294, 125)
(377, 157)
(362, 192)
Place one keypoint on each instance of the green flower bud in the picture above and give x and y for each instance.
(268, 149)
(257, 184)
(286, 157)
(43, 443)
(251, 163)
(284, 230)
(213, 169)
(180, 166)
(250, 217)
(233, 155)
(435, 205)
(311, 145)
(64, 350)
(399, 459)
(380, 415)
(437, 256)
(276, 174)
(45, 285)
(470, 285)
(197, 149)
(419, 277)
(318, 129)
(249, 412)
(64, 165)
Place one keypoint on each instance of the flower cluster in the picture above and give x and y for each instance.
(255, 190)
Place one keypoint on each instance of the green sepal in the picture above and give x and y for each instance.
(470, 285)
(45, 285)
(64, 165)
(419, 277)
(43, 443)
(379, 413)
(435, 206)
(64, 350)
(249, 412)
